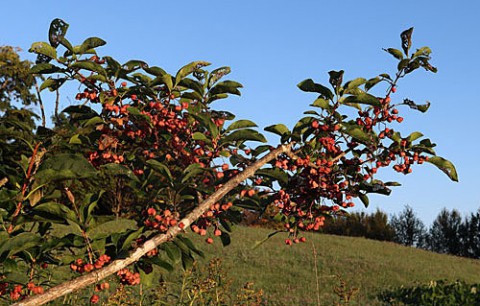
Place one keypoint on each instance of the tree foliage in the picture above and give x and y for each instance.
(409, 229)
(143, 156)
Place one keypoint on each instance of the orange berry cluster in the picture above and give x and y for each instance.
(208, 219)
(295, 240)
(80, 266)
(18, 291)
(102, 286)
(161, 220)
(128, 278)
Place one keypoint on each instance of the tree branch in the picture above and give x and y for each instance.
(115, 266)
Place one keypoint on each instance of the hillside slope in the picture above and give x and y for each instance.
(287, 273)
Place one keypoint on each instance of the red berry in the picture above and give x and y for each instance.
(94, 299)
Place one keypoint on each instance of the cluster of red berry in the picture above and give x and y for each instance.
(80, 266)
(128, 278)
(161, 220)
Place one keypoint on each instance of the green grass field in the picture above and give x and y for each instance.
(305, 273)
(288, 277)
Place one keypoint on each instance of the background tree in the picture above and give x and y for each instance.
(15, 79)
(409, 229)
(360, 224)
(445, 233)
(470, 235)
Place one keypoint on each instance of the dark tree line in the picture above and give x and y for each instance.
(360, 224)
(448, 234)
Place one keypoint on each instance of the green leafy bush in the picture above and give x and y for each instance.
(435, 293)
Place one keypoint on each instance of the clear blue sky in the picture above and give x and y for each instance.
(273, 45)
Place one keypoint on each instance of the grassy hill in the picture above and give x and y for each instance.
(288, 277)
(302, 274)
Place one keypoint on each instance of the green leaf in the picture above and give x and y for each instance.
(364, 199)
(173, 252)
(322, 103)
(75, 139)
(217, 74)
(279, 129)
(275, 174)
(44, 68)
(156, 71)
(357, 133)
(161, 263)
(196, 86)
(132, 65)
(94, 121)
(414, 136)
(240, 124)
(163, 79)
(189, 244)
(363, 98)
(119, 170)
(403, 64)
(423, 51)
(9, 265)
(90, 43)
(56, 33)
(160, 168)
(108, 228)
(226, 87)
(446, 166)
(52, 84)
(187, 261)
(226, 225)
(420, 107)
(225, 237)
(395, 184)
(127, 243)
(54, 211)
(406, 37)
(217, 97)
(354, 83)
(88, 65)
(395, 52)
(44, 49)
(375, 187)
(188, 69)
(18, 243)
(64, 166)
(244, 135)
(90, 201)
(146, 279)
(191, 170)
(199, 136)
(310, 86)
(372, 82)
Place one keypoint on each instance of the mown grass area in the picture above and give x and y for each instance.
(288, 275)
(305, 273)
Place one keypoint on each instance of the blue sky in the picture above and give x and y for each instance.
(273, 45)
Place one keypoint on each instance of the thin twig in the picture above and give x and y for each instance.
(316, 272)
(57, 102)
(30, 171)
